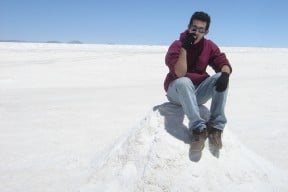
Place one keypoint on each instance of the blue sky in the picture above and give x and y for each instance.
(252, 23)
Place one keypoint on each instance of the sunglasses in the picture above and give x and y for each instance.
(199, 29)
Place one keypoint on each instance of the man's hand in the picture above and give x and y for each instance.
(188, 41)
(222, 83)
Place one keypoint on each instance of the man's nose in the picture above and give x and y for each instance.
(195, 32)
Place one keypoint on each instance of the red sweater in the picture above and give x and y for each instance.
(199, 56)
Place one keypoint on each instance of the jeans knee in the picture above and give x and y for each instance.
(183, 83)
(215, 77)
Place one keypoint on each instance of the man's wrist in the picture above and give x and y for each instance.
(226, 69)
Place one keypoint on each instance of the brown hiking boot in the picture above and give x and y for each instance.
(198, 139)
(215, 137)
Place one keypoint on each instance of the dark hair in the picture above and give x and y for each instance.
(201, 16)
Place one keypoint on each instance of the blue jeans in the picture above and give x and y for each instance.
(182, 92)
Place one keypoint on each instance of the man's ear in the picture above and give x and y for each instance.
(207, 32)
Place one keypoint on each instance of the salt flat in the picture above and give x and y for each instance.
(92, 117)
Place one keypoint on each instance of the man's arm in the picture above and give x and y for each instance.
(181, 64)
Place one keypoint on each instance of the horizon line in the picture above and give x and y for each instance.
(75, 42)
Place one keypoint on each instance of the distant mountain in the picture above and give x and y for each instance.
(53, 42)
(16, 41)
(21, 41)
(75, 42)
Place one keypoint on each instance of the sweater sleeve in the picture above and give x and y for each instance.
(217, 58)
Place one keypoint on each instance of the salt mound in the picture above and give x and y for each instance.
(155, 156)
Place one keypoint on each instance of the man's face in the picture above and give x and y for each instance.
(199, 29)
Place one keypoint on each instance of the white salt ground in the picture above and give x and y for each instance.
(95, 118)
